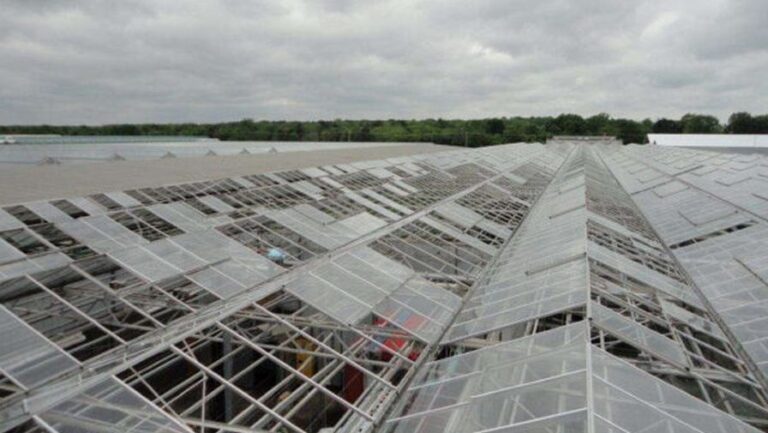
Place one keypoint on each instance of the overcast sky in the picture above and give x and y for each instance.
(99, 61)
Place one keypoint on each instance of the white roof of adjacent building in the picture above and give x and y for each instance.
(709, 140)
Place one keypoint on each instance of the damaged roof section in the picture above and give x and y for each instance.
(511, 288)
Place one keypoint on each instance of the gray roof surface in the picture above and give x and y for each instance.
(32, 182)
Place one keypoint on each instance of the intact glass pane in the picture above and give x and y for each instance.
(507, 352)
(643, 337)
(110, 406)
(360, 224)
(526, 404)
(330, 300)
(88, 235)
(114, 230)
(314, 213)
(216, 204)
(146, 264)
(459, 214)
(385, 264)
(384, 281)
(423, 305)
(406, 318)
(210, 246)
(175, 255)
(9, 253)
(168, 213)
(27, 356)
(49, 212)
(8, 222)
(216, 282)
(629, 397)
(353, 285)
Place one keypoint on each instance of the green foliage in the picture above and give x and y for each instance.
(600, 124)
(494, 126)
(700, 124)
(568, 124)
(667, 126)
(745, 123)
(630, 131)
(457, 132)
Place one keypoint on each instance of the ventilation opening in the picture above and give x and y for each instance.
(24, 241)
(105, 201)
(25, 215)
(157, 223)
(200, 206)
(67, 244)
(143, 199)
(702, 238)
(137, 226)
(70, 209)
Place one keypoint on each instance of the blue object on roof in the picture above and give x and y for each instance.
(276, 255)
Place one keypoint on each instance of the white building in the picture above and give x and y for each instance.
(709, 140)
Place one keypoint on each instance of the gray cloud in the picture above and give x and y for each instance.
(100, 61)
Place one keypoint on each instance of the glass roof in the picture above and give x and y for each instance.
(520, 288)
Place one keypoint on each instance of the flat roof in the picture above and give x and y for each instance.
(27, 183)
(709, 140)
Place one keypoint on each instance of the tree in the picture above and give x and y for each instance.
(364, 134)
(760, 124)
(667, 126)
(514, 133)
(700, 124)
(494, 126)
(630, 131)
(535, 132)
(745, 123)
(568, 124)
(477, 132)
(122, 129)
(598, 124)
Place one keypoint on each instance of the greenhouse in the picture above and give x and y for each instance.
(567, 287)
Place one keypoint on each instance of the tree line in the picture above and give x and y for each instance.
(471, 133)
